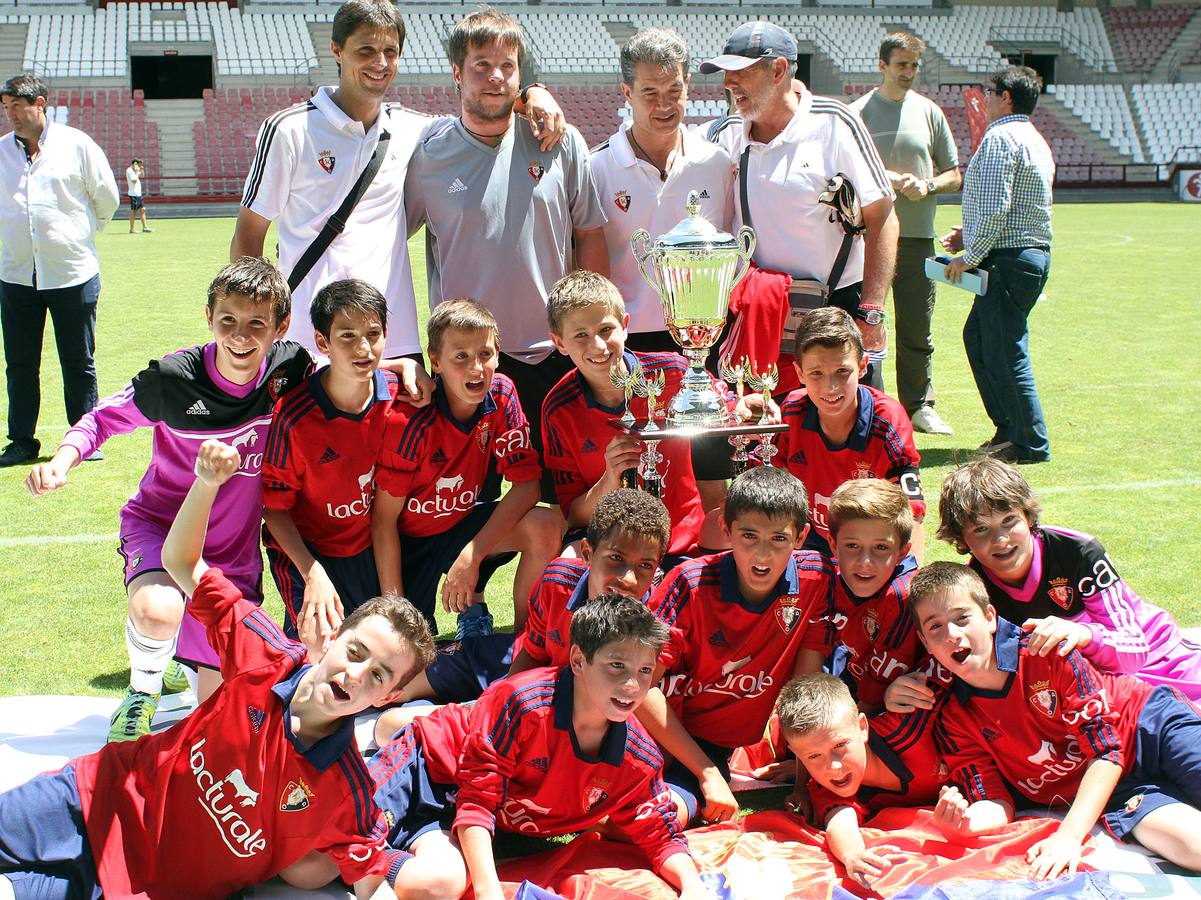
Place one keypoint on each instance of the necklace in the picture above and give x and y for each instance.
(492, 139)
(643, 155)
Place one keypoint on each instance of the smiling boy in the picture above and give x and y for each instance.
(433, 464)
(1054, 728)
(224, 390)
(270, 758)
(320, 463)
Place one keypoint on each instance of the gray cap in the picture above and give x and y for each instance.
(751, 42)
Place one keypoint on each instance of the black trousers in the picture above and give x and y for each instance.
(23, 316)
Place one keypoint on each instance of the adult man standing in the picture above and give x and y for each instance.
(308, 158)
(646, 170)
(500, 211)
(58, 190)
(788, 147)
(915, 141)
(1007, 231)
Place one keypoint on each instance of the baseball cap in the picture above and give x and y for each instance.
(749, 43)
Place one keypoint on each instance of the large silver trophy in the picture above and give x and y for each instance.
(694, 267)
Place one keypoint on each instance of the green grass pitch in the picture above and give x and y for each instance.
(1115, 349)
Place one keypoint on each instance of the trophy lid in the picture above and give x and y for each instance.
(694, 231)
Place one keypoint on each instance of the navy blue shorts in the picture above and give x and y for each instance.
(412, 804)
(424, 560)
(677, 777)
(462, 669)
(353, 577)
(1167, 762)
(44, 850)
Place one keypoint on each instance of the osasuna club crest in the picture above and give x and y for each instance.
(1044, 698)
(787, 614)
(326, 160)
(482, 434)
(275, 387)
(536, 170)
(1061, 592)
(296, 797)
(622, 200)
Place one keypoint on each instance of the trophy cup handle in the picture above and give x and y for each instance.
(640, 243)
(746, 240)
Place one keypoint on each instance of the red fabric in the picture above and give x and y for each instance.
(977, 116)
(777, 848)
(760, 306)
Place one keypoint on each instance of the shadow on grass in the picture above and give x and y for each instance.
(111, 681)
(948, 456)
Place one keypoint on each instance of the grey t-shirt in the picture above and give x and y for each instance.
(912, 137)
(499, 223)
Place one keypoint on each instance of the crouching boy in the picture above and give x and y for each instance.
(546, 752)
(1054, 727)
(270, 758)
(857, 766)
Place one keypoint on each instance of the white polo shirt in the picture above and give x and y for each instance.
(307, 159)
(785, 177)
(52, 207)
(634, 197)
(133, 181)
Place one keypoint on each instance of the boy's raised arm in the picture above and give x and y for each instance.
(216, 463)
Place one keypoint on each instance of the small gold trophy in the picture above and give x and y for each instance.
(764, 383)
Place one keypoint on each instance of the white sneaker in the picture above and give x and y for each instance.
(927, 421)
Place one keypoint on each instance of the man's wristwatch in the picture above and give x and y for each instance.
(524, 93)
(870, 316)
(929, 187)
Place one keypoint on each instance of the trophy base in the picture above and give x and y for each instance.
(671, 431)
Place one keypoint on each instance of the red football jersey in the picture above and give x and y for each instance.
(518, 768)
(1055, 715)
(880, 445)
(905, 744)
(727, 660)
(560, 591)
(320, 464)
(225, 799)
(878, 632)
(439, 464)
(576, 431)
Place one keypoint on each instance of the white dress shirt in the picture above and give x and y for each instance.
(51, 208)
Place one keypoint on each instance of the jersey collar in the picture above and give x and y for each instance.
(323, 100)
(326, 751)
(1007, 642)
(443, 405)
(861, 430)
(788, 585)
(1028, 588)
(889, 757)
(904, 567)
(793, 130)
(613, 747)
(380, 393)
(579, 594)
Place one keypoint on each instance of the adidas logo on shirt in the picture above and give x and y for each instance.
(198, 409)
(799, 458)
(328, 456)
(990, 735)
(456, 186)
(718, 639)
(588, 446)
(704, 194)
(256, 718)
(438, 456)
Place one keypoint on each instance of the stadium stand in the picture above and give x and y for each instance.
(1141, 36)
(1104, 108)
(1171, 118)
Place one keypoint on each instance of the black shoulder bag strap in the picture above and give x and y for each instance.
(337, 222)
(742, 176)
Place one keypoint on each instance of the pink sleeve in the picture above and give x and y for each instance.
(117, 414)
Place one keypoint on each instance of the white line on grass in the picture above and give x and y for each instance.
(37, 540)
(1122, 486)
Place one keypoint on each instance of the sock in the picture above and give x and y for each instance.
(148, 657)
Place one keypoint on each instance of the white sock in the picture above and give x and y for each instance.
(6, 889)
(148, 657)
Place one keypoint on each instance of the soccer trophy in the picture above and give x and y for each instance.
(693, 268)
(736, 374)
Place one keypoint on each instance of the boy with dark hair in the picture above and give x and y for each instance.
(742, 623)
(857, 766)
(586, 455)
(546, 752)
(319, 467)
(839, 429)
(224, 389)
(432, 466)
(1053, 727)
(1059, 585)
(871, 524)
(271, 758)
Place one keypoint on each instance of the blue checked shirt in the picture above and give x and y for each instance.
(1007, 190)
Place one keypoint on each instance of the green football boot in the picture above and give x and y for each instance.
(175, 679)
(132, 718)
